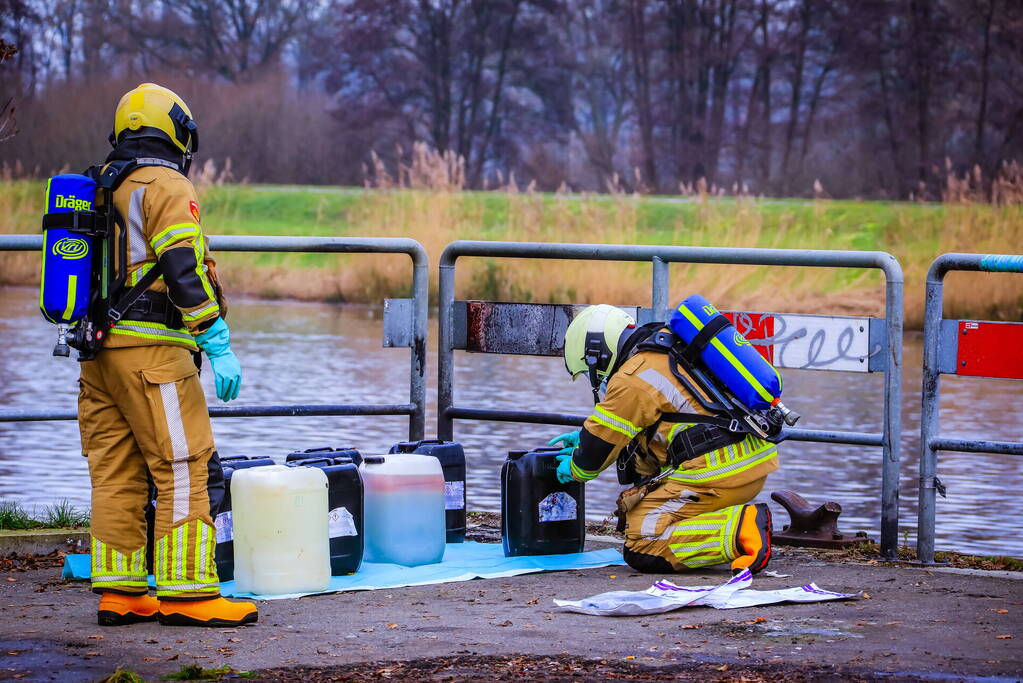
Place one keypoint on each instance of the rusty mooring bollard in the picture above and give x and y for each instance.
(812, 527)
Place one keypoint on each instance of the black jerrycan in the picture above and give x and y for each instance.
(452, 461)
(326, 452)
(345, 512)
(224, 519)
(540, 515)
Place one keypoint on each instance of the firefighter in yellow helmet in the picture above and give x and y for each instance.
(693, 482)
(141, 409)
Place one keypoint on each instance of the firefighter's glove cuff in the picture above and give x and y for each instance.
(564, 472)
(216, 344)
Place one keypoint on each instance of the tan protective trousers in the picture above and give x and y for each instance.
(682, 526)
(142, 413)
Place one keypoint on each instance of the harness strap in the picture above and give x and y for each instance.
(116, 312)
(692, 350)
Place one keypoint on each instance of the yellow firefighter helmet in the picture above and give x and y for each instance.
(592, 341)
(151, 110)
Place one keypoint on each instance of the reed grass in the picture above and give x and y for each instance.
(425, 201)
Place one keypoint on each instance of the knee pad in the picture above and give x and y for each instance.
(648, 564)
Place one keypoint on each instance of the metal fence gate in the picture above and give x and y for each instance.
(407, 315)
(794, 341)
(966, 348)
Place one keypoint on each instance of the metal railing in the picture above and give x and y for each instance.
(884, 355)
(414, 311)
(959, 347)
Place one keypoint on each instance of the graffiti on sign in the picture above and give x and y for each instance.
(808, 342)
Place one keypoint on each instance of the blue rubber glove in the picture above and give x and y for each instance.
(570, 441)
(564, 472)
(216, 344)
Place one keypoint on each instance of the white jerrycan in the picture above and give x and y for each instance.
(404, 514)
(281, 542)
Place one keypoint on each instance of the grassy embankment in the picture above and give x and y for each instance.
(60, 515)
(914, 233)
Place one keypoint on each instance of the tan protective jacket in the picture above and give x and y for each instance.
(162, 224)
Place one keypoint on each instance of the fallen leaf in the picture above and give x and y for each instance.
(723, 667)
(1001, 611)
(1007, 636)
(11, 579)
(234, 640)
(368, 629)
(867, 596)
(691, 626)
(532, 602)
(96, 637)
(630, 657)
(92, 654)
(505, 623)
(392, 625)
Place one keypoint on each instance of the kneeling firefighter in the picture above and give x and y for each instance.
(694, 455)
(142, 413)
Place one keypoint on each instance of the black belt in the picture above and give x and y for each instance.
(155, 307)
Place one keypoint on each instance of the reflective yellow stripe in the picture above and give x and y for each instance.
(172, 235)
(611, 421)
(582, 474)
(732, 466)
(753, 381)
(149, 330)
(205, 310)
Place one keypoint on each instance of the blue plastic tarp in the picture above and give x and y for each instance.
(462, 562)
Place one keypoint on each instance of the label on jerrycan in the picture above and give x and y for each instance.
(558, 507)
(341, 523)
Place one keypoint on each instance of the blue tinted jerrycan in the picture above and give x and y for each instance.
(452, 461)
(64, 284)
(540, 515)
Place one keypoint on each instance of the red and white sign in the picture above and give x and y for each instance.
(808, 342)
(988, 349)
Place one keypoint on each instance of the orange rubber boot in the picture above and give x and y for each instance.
(116, 609)
(753, 539)
(214, 612)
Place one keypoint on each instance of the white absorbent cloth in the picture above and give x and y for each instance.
(665, 596)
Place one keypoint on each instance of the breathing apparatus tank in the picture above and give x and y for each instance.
(730, 357)
(68, 252)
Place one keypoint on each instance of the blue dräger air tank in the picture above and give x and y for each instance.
(727, 354)
(67, 255)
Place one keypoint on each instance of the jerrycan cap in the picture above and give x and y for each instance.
(374, 460)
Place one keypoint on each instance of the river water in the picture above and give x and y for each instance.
(323, 353)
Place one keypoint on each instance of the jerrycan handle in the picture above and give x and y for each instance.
(311, 462)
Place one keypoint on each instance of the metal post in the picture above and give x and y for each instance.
(445, 350)
(930, 402)
(892, 411)
(659, 290)
(417, 376)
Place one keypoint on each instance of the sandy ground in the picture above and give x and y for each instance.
(916, 623)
